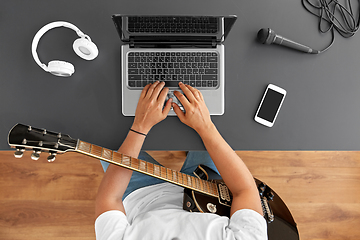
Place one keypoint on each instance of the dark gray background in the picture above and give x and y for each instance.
(320, 112)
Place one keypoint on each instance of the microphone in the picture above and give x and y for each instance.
(268, 36)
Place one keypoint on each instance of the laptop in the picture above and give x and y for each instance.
(173, 49)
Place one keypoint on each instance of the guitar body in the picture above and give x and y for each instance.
(280, 223)
(198, 202)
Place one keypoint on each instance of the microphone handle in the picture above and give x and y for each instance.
(294, 45)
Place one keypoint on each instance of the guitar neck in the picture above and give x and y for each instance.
(154, 170)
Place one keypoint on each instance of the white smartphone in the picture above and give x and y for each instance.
(270, 105)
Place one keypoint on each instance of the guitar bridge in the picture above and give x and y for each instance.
(268, 214)
(266, 195)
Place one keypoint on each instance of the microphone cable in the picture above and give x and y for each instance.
(334, 16)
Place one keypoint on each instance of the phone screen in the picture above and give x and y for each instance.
(270, 105)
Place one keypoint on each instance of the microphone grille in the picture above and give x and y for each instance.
(266, 36)
(262, 35)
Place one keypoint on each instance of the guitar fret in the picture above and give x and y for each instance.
(180, 179)
(117, 157)
(96, 150)
(84, 146)
(157, 170)
(213, 188)
(207, 186)
(150, 168)
(174, 176)
(135, 163)
(188, 183)
(202, 185)
(189, 180)
(169, 174)
(210, 188)
(126, 160)
(163, 172)
(184, 179)
(142, 166)
(107, 154)
(193, 181)
(197, 183)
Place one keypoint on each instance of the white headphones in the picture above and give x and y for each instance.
(82, 46)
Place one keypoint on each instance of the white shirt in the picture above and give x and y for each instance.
(155, 212)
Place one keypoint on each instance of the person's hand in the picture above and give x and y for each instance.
(150, 109)
(196, 114)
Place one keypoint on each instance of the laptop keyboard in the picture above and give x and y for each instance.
(172, 24)
(199, 69)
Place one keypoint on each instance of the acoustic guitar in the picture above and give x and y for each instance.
(204, 193)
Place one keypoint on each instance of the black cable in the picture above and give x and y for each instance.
(334, 16)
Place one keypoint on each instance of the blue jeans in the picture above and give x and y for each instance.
(139, 180)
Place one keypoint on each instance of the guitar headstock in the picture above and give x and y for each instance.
(24, 137)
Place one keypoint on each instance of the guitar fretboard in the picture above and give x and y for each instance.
(151, 169)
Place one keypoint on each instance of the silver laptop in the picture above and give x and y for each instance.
(173, 49)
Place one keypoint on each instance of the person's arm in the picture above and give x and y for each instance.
(232, 169)
(149, 112)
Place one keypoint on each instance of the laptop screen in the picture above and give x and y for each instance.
(179, 29)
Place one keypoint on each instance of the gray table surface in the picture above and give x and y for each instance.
(320, 112)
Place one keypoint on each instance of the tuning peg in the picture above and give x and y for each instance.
(19, 152)
(51, 157)
(35, 155)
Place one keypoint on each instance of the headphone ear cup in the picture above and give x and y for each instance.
(61, 68)
(85, 49)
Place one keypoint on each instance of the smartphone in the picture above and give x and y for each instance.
(270, 105)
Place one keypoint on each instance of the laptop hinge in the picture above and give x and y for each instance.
(132, 43)
(214, 43)
(171, 44)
